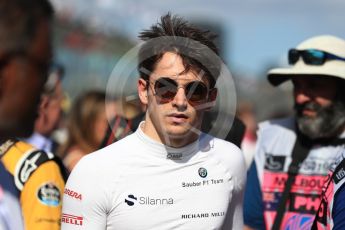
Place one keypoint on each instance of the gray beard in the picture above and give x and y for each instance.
(329, 121)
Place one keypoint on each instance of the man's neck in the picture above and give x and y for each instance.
(175, 142)
(180, 142)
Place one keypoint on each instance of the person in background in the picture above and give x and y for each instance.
(50, 111)
(293, 154)
(167, 169)
(28, 176)
(10, 211)
(331, 212)
(245, 113)
(128, 116)
(86, 126)
(234, 135)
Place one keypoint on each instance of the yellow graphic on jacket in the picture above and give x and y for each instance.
(40, 182)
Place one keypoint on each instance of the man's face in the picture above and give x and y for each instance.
(320, 112)
(177, 118)
(23, 78)
(50, 111)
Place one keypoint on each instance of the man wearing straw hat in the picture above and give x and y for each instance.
(293, 154)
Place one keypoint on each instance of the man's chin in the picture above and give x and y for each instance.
(308, 126)
(181, 134)
(315, 128)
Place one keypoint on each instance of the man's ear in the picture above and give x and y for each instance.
(44, 102)
(142, 91)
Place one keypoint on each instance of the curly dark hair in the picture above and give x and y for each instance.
(196, 47)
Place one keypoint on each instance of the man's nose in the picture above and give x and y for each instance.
(180, 99)
(302, 97)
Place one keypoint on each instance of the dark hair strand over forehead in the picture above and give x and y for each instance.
(176, 35)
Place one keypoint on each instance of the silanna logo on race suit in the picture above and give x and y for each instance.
(147, 200)
(49, 195)
(28, 163)
(131, 199)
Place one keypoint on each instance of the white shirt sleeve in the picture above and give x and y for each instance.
(234, 218)
(85, 198)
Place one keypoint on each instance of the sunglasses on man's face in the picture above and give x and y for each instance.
(311, 56)
(166, 89)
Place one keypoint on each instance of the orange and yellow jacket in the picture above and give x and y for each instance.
(40, 182)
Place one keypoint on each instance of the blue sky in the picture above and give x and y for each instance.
(258, 32)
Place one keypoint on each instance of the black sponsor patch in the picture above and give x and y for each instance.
(49, 194)
(339, 172)
(27, 165)
(274, 163)
(339, 175)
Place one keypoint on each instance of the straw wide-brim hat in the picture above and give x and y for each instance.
(333, 68)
